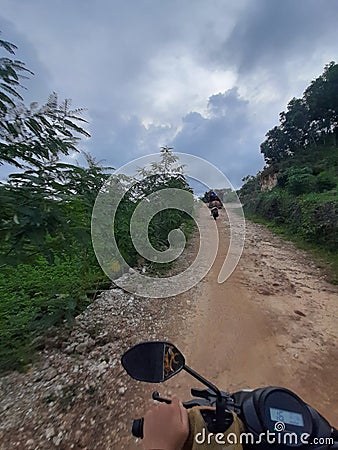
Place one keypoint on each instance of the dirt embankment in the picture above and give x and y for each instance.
(274, 321)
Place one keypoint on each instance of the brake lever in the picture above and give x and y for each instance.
(202, 393)
(189, 404)
(208, 394)
(192, 403)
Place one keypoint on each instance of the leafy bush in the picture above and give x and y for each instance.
(320, 220)
(300, 181)
(312, 216)
(35, 298)
(49, 270)
(325, 181)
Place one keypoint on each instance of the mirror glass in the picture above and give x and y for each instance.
(153, 362)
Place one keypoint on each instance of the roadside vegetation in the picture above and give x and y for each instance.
(296, 193)
(49, 272)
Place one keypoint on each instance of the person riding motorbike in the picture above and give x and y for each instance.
(214, 212)
(212, 196)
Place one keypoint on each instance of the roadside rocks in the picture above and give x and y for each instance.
(122, 390)
(75, 395)
(49, 374)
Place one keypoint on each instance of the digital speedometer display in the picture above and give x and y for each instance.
(287, 417)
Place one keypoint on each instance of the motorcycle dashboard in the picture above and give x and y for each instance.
(283, 411)
(287, 417)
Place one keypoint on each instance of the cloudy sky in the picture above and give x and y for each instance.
(208, 77)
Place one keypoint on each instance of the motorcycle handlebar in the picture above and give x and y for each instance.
(137, 428)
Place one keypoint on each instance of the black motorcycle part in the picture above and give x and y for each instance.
(260, 410)
(137, 428)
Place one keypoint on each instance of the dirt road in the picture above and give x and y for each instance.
(273, 322)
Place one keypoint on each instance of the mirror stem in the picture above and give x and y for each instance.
(221, 423)
(204, 381)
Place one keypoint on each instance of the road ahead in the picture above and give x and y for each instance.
(273, 322)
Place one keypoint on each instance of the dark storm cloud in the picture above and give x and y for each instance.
(227, 138)
(230, 105)
(117, 140)
(270, 32)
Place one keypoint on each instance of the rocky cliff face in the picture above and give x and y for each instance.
(268, 181)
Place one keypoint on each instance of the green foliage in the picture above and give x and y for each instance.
(31, 135)
(325, 181)
(308, 121)
(53, 201)
(302, 151)
(10, 74)
(165, 174)
(35, 298)
(304, 204)
(300, 180)
(49, 271)
(124, 214)
(48, 268)
(46, 239)
(320, 174)
(322, 100)
(312, 216)
(249, 190)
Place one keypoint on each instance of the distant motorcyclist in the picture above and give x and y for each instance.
(212, 196)
(214, 212)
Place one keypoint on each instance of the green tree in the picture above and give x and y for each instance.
(34, 201)
(307, 120)
(49, 270)
(321, 98)
(276, 146)
(166, 173)
(295, 123)
(35, 134)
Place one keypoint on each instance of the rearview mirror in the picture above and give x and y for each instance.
(153, 362)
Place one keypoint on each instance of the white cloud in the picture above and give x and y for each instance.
(174, 85)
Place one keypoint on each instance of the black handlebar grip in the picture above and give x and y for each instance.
(137, 428)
